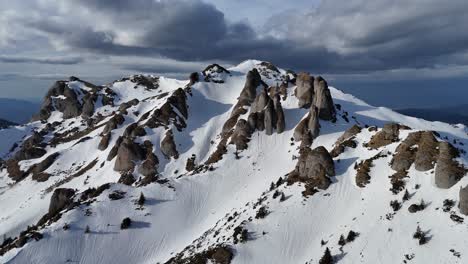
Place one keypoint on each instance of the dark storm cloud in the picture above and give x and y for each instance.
(354, 36)
(52, 60)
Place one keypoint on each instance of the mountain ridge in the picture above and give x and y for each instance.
(233, 163)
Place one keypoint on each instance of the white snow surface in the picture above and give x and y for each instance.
(194, 207)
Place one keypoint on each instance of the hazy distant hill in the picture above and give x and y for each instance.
(5, 123)
(454, 115)
(18, 111)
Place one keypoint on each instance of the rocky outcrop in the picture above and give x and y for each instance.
(270, 118)
(305, 89)
(249, 92)
(448, 171)
(280, 119)
(463, 200)
(61, 199)
(168, 146)
(193, 78)
(104, 142)
(323, 100)
(260, 102)
(346, 141)
(427, 152)
(241, 135)
(149, 167)
(113, 123)
(165, 115)
(32, 148)
(308, 128)
(128, 153)
(214, 73)
(45, 164)
(386, 136)
(314, 167)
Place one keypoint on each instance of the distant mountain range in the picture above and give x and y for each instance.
(6, 123)
(453, 115)
(17, 111)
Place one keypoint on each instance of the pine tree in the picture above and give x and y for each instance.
(406, 196)
(327, 258)
(283, 197)
(142, 199)
(272, 186)
(342, 241)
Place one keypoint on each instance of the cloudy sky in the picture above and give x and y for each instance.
(396, 53)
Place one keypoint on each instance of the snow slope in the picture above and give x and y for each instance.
(188, 213)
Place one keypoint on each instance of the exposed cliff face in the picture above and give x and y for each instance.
(214, 160)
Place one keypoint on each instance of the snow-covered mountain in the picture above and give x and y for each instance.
(250, 164)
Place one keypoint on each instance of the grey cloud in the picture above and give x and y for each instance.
(51, 60)
(352, 37)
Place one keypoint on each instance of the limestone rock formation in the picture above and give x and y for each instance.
(448, 171)
(305, 89)
(387, 135)
(249, 92)
(61, 199)
(241, 135)
(128, 153)
(315, 167)
(280, 119)
(463, 200)
(323, 100)
(168, 146)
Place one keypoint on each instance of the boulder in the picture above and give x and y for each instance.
(168, 146)
(127, 179)
(241, 135)
(448, 171)
(323, 100)
(304, 89)
(127, 154)
(61, 199)
(45, 164)
(104, 143)
(387, 135)
(463, 197)
(149, 167)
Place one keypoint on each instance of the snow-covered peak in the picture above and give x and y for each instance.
(249, 164)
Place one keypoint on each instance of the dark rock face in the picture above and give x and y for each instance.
(323, 100)
(270, 118)
(463, 203)
(212, 73)
(32, 148)
(305, 89)
(61, 199)
(168, 146)
(14, 170)
(127, 179)
(280, 119)
(448, 171)
(127, 154)
(194, 78)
